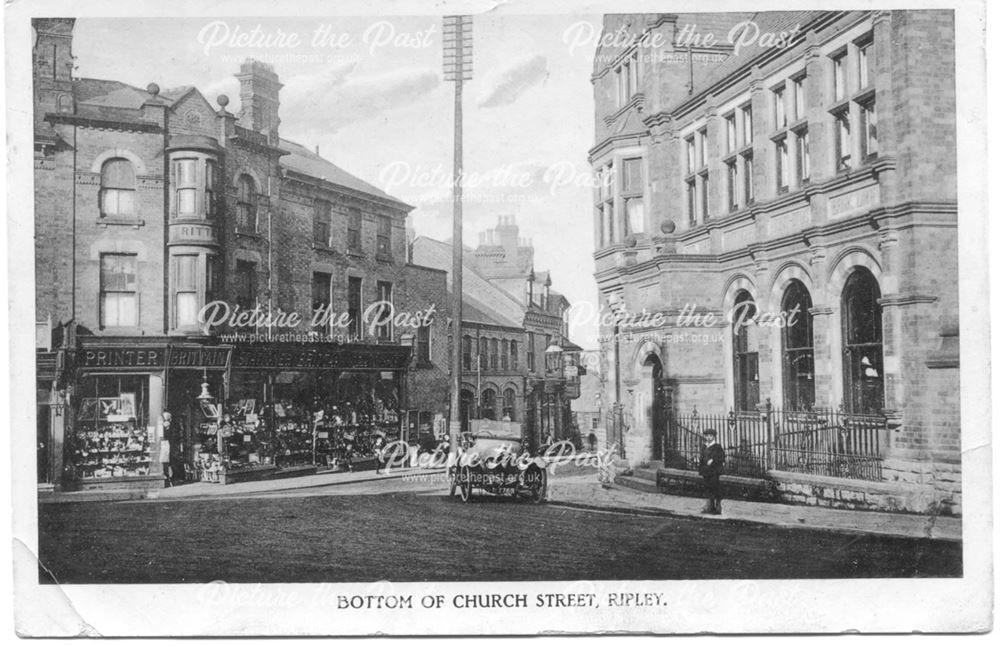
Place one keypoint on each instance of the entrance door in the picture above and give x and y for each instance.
(658, 407)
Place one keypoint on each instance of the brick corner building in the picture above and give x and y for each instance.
(152, 207)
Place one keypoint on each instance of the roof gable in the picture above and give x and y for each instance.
(484, 301)
(193, 115)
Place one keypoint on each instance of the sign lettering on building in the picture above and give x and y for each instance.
(110, 357)
(317, 357)
(193, 233)
(199, 357)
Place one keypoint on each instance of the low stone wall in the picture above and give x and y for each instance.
(839, 493)
(689, 483)
(823, 491)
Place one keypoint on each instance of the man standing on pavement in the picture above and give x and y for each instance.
(713, 457)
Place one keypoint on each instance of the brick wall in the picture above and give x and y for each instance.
(145, 237)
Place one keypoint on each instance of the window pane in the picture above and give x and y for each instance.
(187, 308)
(118, 310)
(186, 172)
(118, 173)
(186, 273)
(117, 202)
(632, 176)
(636, 214)
(117, 272)
(246, 189)
(747, 125)
(320, 290)
(186, 200)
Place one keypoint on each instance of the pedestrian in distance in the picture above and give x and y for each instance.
(168, 471)
(379, 450)
(713, 458)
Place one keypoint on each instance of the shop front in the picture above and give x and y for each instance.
(153, 412)
(116, 404)
(294, 409)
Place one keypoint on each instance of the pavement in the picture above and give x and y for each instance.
(575, 490)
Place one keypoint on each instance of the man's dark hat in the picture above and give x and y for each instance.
(711, 432)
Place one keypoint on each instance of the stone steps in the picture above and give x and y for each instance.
(637, 483)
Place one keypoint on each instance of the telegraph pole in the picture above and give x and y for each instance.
(457, 40)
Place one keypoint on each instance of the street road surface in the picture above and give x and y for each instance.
(399, 531)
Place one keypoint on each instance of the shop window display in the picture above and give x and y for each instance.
(111, 439)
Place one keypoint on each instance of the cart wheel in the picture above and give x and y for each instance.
(539, 486)
(465, 484)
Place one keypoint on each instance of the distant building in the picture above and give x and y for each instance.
(590, 412)
(514, 345)
(816, 179)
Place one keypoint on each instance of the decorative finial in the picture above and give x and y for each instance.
(153, 89)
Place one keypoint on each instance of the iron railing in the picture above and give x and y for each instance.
(822, 442)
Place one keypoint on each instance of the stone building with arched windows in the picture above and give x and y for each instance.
(776, 249)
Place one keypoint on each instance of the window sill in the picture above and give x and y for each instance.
(384, 259)
(839, 106)
(322, 247)
(116, 330)
(193, 219)
(249, 234)
(106, 222)
(354, 253)
(863, 95)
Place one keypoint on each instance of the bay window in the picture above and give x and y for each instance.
(186, 305)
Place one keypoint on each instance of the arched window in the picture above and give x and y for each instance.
(246, 204)
(466, 402)
(488, 405)
(745, 357)
(466, 353)
(117, 188)
(797, 348)
(509, 403)
(861, 317)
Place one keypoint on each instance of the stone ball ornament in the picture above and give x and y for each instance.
(631, 241)
(668, 226)
(222, 100)
(153, 89)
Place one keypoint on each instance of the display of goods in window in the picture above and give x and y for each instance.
(293, 434)
(109, 441)
(244, 436)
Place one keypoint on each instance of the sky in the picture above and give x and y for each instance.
(369, 92)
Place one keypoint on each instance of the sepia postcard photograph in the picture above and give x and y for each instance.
(476, 318)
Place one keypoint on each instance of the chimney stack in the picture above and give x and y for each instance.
(259, 88)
